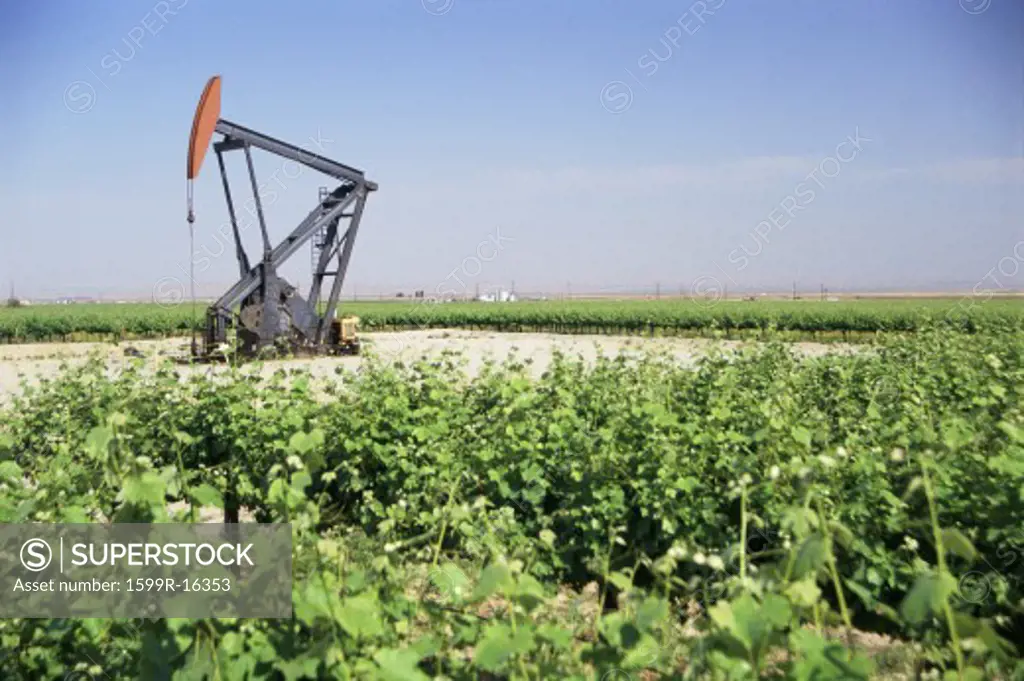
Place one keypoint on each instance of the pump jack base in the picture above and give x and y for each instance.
(348, 350)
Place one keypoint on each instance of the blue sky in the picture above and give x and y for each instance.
(603, 144)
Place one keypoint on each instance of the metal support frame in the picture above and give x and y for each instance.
(282, 312)
(339, 277)
(243, 259)
(259, 204)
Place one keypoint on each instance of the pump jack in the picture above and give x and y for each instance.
(266, 310)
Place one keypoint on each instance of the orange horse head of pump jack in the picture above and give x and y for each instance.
(203, 124)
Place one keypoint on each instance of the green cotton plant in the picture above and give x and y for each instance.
(932, 594)
(640, 494)
(771, 619)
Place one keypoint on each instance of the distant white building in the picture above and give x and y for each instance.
(499, 296)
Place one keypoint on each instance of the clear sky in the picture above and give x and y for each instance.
(601, 143)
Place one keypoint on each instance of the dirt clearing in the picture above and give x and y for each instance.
(43, 360)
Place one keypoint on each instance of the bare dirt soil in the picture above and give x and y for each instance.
(31, 362)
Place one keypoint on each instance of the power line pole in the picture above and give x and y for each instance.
(794, 290)
(657, 290)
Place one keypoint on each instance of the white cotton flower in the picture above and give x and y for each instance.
(897, 454)
(699, 558)
(677, 553)
(826, 461)
(774, 472)
(910, 543)
(842, 453)
(294, 461)
(716, 563)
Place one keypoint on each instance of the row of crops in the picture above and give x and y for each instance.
(755, 516)
(67, 322)
(639, 316)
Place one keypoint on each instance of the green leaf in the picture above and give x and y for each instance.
(956, 433)
(308, 446)
(557, 636)
(801, 435)
(985, 635)
(75, 514)
(230, 645)
(819, 659)
(651, 612)
(752, 623)
(183, 438)
(313, 601)
(426, 646)
(955, 541)
(303, 667)
(300, 481)
(10, 472)
(97, 442)
(399, 664)
(499, 644)
(861, 592)
(926, 596)
(642, 655)
(810, 556)
(207, 495)
(970, 674)
(1014, 432)
(301, 443)
(621, 580)
(687, 484)
(359, 616)
(724, 614)
(842, 533)
(450, 581)
(917, 483)
(798, 520)
(776, 610)
(495, 578)
(917, 604)
(804, 593)
(146, 489)
(529, 593)
(277, 494)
